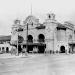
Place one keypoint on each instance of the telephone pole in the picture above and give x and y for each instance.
(27, 39)
(17, 22)
(17, 42)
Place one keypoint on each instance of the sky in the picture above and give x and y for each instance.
(13, 9)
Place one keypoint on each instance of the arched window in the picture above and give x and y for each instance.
(41, 38)
(20, 39)
(7, 49)
(0, 48)
(30, 38)
(3, 49)
(62, 49)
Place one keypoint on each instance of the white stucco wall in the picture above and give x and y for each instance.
(54, 38)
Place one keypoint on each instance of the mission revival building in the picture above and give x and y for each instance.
(48, 36)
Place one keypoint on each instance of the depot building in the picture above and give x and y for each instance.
(43, 37)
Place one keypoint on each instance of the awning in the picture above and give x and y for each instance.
(34, 44)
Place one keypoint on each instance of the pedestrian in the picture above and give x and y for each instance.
(24, 52)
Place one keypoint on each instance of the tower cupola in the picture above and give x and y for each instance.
(51, 16)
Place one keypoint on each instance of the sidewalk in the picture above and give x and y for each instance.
(8, 55)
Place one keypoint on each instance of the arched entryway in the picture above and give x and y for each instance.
(20, 40)
(41, 46)
(41, 38)
(30, 39)
(30, 42)
(3, 49)
(7, 50)
(62, 49)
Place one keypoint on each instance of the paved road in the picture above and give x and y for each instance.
(39, 65)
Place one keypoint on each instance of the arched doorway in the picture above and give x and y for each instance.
(41, 46)
(7, 50)
(30, 39)
(20, 40)
(41, 38)
(3, 49)
(30, 42)
(62, 49)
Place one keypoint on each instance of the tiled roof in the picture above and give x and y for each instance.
(5, 38)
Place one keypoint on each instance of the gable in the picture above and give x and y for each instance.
(31, 20)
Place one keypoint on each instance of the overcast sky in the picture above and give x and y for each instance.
(12, 9)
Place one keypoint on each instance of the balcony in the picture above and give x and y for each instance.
(41, 26)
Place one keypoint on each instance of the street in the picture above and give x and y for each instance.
(39, 64)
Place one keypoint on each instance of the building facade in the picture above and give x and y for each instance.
(48, 36)
(5, 44)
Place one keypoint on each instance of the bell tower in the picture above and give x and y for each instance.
(51, 16)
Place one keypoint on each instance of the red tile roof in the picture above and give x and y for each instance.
(5, 38)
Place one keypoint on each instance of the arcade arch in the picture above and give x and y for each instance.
(30, 38)
(20, 40)
(41, 41)
(7, 50)
(62, 49)
(41, 38)
(30, 43)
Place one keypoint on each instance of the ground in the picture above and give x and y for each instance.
(39, 64)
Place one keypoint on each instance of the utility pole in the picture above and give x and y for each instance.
(17, 22)
(53, 39)
(72, 40)
(17, 42)
(27, 39)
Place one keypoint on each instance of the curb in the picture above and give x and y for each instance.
(9, 57)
